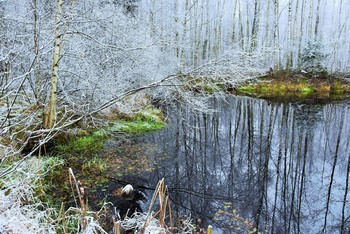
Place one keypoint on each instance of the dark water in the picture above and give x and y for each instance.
(278, 168)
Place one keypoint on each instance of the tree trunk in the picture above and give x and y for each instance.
(295, 34)
(176, 19)
(184, 34)
(39, 85)
(217, 29)
(241, 31)
(50, 112)
(301, 30)
(206, 43)
(311, 11)
(233, 37)
(317, 21)
(266, 42)
(289, 62)
(276, 35)
(255, 26)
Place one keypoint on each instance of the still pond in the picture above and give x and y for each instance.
(281, 168)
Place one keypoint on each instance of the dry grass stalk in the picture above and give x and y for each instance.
(80, 192)
(210, 230)
(153, 223)
(62, 219)
(62, 216)
(160, 192)
(116, 226)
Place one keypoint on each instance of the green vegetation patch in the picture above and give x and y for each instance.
(285, 86)
(246, 89)
(143, 121)
(151, 115)
(307, 90)
(150, 119)
(136, 126)
(82, 145)
(94, 162)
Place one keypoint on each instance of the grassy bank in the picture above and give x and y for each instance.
(281, 86)
(95, 164)
(48, 185)
(286, 86)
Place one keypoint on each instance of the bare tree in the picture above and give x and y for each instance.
(255, 25)
(59, 41)
(317, 20)
(276, 35)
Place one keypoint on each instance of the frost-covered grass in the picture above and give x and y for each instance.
(154, 222)
(21, 208)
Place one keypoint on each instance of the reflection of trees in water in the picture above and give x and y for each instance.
(307, 115)
(285, 168)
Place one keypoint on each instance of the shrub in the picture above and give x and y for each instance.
(312, 58)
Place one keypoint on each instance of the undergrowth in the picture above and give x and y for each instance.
(147, 120)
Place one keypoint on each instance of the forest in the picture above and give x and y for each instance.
(78, 75)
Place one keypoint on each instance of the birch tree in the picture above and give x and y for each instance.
(241, 27)
(39, 83)
(310, 19)
(255, 25)
(289, 63)
(317, 20)
(276, 35)
(266, 39)
(60, 34)
(218, 28)
(176, 27)
(233, 28)
(301, 30)
(206, 43)
(184, 34)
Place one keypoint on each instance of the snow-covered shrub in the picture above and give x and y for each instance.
(312, 58)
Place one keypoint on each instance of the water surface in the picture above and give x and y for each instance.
(281, 168)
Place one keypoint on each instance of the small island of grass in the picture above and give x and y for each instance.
(293, 86)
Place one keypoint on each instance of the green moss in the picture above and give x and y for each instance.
(307, 90)
(265, 89)
(147, 120)
(136, 126)
(296, 87)
(337, 88)
(150, 119)
(82, 145)
(246, 89)
(337, 91)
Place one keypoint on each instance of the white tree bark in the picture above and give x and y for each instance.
(50, 113)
